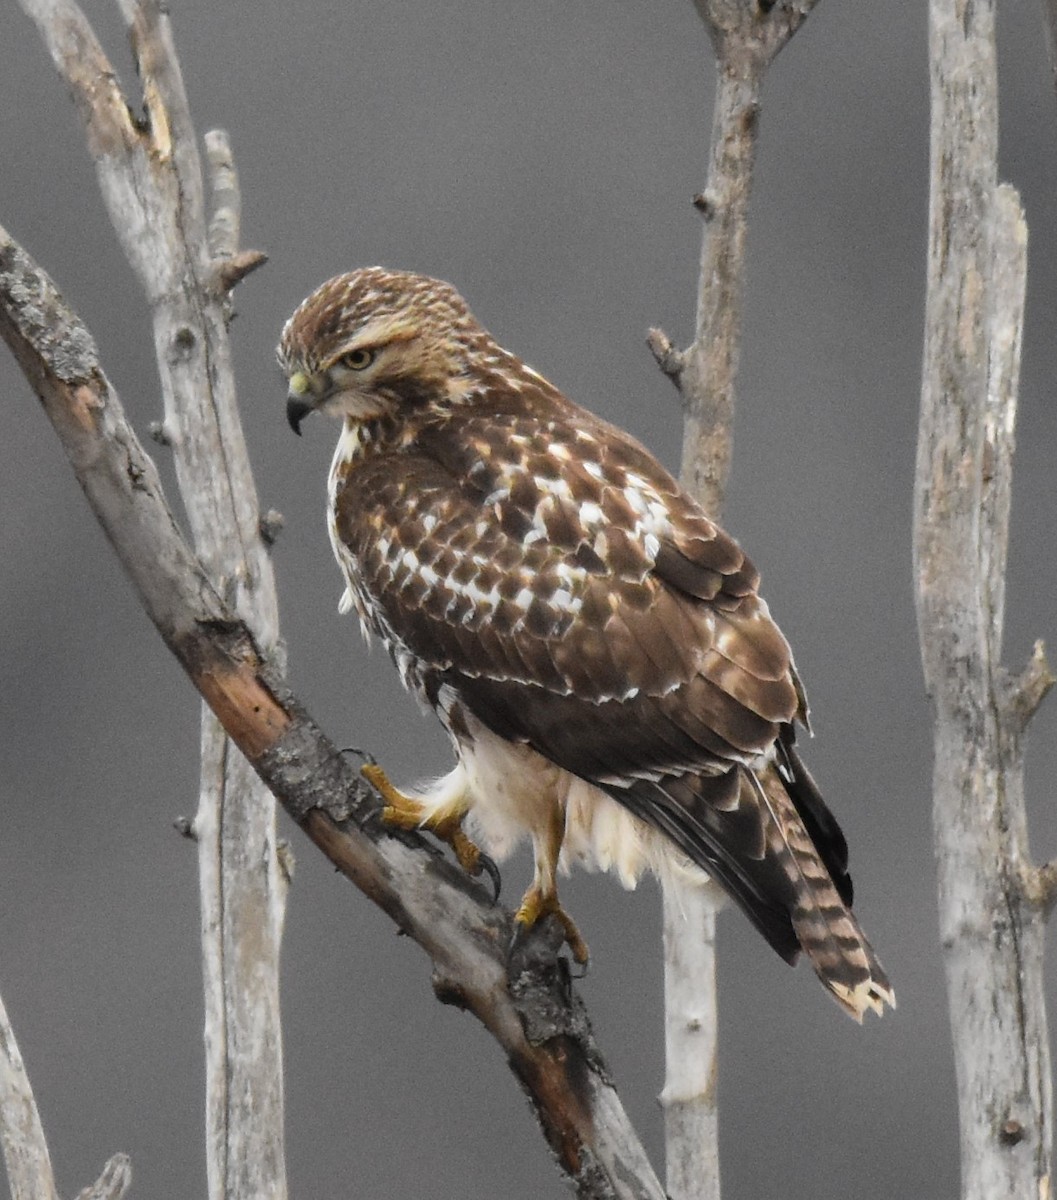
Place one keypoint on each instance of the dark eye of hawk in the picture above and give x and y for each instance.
(357, 360)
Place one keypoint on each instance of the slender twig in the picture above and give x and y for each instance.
(991, 923)
(528, 1005)
(746, 37)
(150, 174)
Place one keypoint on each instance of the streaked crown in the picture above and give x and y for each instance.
(370, 306)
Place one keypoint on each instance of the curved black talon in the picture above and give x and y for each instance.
(367, 757)
(486, 864)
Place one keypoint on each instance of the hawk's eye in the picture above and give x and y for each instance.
(357, 360)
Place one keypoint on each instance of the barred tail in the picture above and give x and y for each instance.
(823, 922)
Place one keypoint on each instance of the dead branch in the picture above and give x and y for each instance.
(745, 37)
(26, 1157)
(150, 175)
(991, 923)
(113, 1183)
(528, 1005)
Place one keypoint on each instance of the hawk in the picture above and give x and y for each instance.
(595, 646)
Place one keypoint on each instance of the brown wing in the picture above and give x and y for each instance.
(562, 556)
(557, 579)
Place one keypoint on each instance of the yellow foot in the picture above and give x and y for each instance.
(401, 812)
(536, 905)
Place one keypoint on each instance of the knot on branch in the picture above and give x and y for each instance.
(270, 525)
(1027, 690)
(449, 990)
(228, 272)
(161, 433)
(1038, 886)
(186, 828)
(671, 361)
(1011, 1132)
(705, 203)
(284, 856)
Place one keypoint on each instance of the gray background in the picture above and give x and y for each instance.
(542, 156)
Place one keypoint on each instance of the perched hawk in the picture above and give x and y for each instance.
(595, 646)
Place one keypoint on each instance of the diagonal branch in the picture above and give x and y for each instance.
(527, 1005)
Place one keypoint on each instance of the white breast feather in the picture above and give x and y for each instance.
(511, 791)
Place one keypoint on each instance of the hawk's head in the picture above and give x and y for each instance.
(375, 341)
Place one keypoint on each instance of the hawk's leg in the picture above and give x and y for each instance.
(402, 812)
(541, 900)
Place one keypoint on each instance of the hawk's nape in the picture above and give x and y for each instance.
(612, 681)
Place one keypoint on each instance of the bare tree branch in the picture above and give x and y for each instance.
(746, 35)
(991, 923)
(25, 1148)
(26, 1158)
(114, 1182)
(527, 1004)
(151, 177)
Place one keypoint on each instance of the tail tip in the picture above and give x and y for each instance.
(871, 995)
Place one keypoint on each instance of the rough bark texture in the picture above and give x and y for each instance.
(746, 36)
(992, 903)
(151, 178)
(528, 1004)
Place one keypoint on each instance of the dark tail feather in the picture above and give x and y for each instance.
(825, 926)
(768, 838)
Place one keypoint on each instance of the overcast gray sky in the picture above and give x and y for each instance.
(542, 157)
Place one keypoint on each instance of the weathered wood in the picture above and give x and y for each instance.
(528, 1005)
(745, 37)
(26, 1158)
(691, 1040)
(113, 1183)
(991, 923)
(150, 174)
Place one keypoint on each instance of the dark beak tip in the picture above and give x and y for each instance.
(296, 411)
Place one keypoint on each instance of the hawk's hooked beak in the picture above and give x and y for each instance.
(300, 401)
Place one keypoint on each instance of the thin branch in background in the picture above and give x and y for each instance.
(26, 1158)
(992, 902)
(151, 178)
(746, 37)
(1049, 12)
(528, 1004)
(114, 1182)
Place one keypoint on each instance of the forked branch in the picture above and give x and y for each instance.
(528, 1005)
(150, 175)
